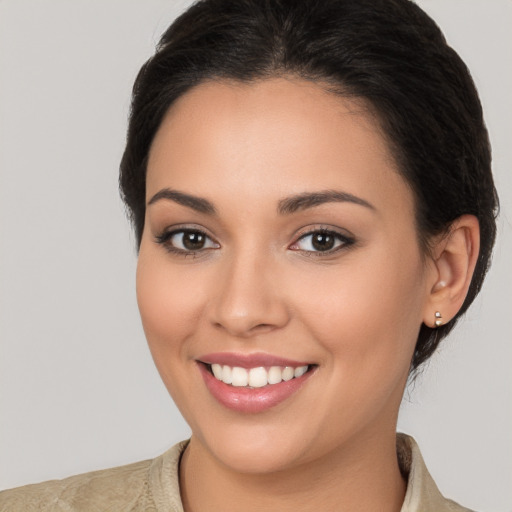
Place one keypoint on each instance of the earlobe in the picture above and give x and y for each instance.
(454, 260)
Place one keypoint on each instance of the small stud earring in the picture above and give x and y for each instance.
(439, 319)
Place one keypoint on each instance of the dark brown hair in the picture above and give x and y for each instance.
(388, 52)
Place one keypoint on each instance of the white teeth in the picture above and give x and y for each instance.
(288, 373)
(226, 374)
(301, 370)
(217, 371)
(275, 375)
(256, 377)
(239, 377)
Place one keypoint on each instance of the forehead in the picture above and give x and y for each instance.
(272, 137)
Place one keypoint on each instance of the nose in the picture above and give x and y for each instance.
(249, 300)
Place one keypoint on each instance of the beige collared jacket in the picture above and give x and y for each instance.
(153, 486)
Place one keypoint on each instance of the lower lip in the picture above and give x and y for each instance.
(251, 400)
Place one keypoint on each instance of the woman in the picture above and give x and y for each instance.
(311, 194)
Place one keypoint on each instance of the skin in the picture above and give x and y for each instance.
(258, 287)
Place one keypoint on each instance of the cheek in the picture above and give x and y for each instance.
(169, 304)
(356, 315)
(358, 311)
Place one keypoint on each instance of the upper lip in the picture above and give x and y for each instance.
(249, 360)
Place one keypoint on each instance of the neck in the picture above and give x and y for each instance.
(363, 477)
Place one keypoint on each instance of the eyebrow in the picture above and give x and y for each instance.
(196, 203)
(307, 200)
(286, 206)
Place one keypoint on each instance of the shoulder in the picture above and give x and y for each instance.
(140, 487)
(119, 488)
(422, 493)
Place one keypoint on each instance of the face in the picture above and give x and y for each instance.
(279, 234)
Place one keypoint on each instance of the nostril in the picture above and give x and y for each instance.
(244, 329)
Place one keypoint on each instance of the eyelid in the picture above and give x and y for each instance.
(346, 239)
(164, 237)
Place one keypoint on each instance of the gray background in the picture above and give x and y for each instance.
(78, 390)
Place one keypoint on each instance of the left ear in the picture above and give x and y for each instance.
(454, 258)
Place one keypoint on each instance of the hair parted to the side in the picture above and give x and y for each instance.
(388, 52)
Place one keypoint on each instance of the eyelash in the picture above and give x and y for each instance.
(342, 241)
(166, 237)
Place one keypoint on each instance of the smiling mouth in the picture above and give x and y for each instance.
(253, 383)
(257, 377)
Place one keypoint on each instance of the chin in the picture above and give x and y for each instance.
(258, 454)
(244, 445)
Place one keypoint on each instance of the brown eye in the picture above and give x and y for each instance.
(187, 241)
(193, 240)
(321, 241)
